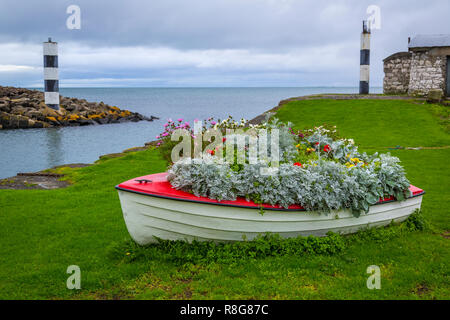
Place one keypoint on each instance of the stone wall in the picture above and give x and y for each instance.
(428, 72)
(397, 73)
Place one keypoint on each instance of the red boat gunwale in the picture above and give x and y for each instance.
(161, 188)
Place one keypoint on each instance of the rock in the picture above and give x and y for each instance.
(435, 96)
(24, 108)
(33, 114)
(4, 106)
(53, 121)
(70, 107)
(23, 123)
(84, 122)
(4, 119)
(19, 110)
(49, 112)
(104, 121)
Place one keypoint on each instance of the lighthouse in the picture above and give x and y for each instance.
(51, 81)
(364, 60)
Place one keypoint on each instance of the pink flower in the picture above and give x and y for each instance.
(157, 137)
(213, 122)
(180, 120)
(165, 134)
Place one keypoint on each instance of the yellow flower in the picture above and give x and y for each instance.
(355, 160)
(298, 146)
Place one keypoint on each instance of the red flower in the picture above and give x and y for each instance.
(224, 139)
(317, 143)
(298, 164)
(211, 152)
(327, 148)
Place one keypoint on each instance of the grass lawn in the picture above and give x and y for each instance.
(42, 232)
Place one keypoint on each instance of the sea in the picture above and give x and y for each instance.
(30, 150)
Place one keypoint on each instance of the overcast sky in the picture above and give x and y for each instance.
(172, 43)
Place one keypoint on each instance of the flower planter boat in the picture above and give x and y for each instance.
(152, 207)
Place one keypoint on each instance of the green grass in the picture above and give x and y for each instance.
(374, 123)
(42, 232)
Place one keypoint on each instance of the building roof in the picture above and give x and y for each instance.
(430, 40)
(398, 55)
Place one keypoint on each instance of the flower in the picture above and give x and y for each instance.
(309, 149)
(180, 120)
(211, 152)
(298, 164)
(355, 160)
(213, 122)
(349, 165)
(327, 148)
(224, 139)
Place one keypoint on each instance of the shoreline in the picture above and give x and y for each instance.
(22, 108)
(44, 179)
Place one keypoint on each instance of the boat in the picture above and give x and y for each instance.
(153, 209)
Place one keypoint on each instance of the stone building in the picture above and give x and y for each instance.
(424, 67)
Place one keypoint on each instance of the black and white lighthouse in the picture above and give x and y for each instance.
(364, 60)
(51, 81)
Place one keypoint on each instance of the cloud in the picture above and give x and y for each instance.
(15, 68)
(220, 42)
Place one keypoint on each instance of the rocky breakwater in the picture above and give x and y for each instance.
(23, 108)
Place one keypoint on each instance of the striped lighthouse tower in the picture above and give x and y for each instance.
(364, 60)
(51, 74)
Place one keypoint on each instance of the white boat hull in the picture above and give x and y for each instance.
(148, 217)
